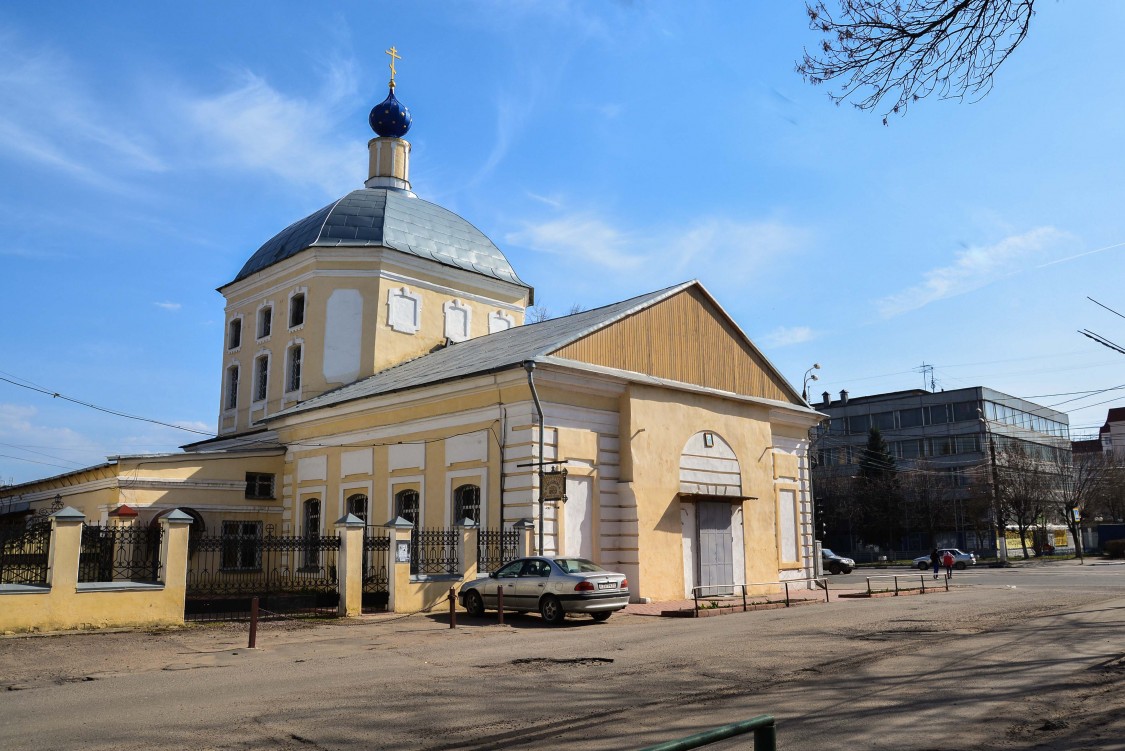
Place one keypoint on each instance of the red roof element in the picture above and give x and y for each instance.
(123, 510)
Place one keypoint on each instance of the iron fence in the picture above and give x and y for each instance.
(24, 552)
(495, 547)
(435, 552)
(289, 574)
(119, 553)
(376, 570)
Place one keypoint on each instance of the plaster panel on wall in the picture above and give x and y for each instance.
(312, 468)
(406, 456)
(343, 329)
(787, 524)
(355, 463)
(466, 448)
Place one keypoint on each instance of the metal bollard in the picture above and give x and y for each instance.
(452, 608)
(253, 623)
(500, 604)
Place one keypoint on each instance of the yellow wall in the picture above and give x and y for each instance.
(69, 605)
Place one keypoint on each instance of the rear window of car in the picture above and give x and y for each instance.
(577, 565)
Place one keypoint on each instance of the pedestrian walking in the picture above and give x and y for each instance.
(935, 561)
(947, 561)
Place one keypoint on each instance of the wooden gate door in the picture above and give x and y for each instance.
(716, 553)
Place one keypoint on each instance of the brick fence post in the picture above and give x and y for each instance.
(399, 575)
(470, 538)
(66, 547)
(525, 528)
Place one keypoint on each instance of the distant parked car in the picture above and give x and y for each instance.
(837, 564)
(553, 586)
(961, 561)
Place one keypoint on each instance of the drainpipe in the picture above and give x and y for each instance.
(529, 366)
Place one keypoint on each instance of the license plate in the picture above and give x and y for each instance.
(607, 585)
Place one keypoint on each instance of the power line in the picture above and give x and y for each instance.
(1111, 310)
(108, 411)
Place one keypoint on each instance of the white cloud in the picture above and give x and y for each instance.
(975, 267)
(168, 305)
(254, 126)
(727, 251)
(783, 336)
(47, 116)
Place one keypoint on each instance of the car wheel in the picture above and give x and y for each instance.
(602, 615)
(833, 568)
(473, 603)
(922, 566)
(960, 565)
(846, 571)
(551, 610)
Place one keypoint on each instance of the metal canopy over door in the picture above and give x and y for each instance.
(716, 554)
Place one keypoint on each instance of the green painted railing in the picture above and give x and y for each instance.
(763, 727)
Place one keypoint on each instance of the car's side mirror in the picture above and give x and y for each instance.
(492, 575)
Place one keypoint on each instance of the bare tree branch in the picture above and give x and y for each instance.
(904, 51)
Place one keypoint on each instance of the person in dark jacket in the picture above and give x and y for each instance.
(935, 561)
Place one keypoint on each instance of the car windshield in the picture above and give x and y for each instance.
(827, 552)
(577, 565)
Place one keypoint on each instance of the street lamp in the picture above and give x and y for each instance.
(809, 376)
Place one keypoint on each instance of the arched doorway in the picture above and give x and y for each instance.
(711, 515)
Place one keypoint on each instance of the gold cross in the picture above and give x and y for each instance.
(394, 56)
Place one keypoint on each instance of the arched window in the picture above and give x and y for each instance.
(466, 504)
(406, 506)
(357, 504)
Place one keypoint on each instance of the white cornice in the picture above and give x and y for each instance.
(277, 278)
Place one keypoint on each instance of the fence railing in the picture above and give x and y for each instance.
(495, 547)
(764, 728)
(248, 564)
(376, 569)
(24, 553)
(119, 553)
(715, 596)
(435, 552)
(907, 583)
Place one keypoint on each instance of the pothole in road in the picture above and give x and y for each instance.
(562, 661)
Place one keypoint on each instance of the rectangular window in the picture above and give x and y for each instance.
(859, 424)
(265, 322)
(259, 485)
(234, 334)
(232, 387)
(910, 449)
(261, 377)
(883, 420)
(836, 426)
(294, 376)
(965, 411)
(910, 418)
(296, 310)
(968, 444)
(242, 546)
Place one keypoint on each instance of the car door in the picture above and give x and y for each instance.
(506, 577)
(532, 583)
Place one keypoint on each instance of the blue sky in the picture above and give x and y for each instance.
(148, 149)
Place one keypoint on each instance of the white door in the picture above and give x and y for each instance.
(578, 536)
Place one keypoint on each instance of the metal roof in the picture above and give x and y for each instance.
(391, 218)
(498, 351)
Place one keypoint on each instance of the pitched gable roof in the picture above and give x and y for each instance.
(507, 349)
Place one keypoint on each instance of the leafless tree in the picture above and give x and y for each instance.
(927, 499)
(1028, 485)
(904, 50)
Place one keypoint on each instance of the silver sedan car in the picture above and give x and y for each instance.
(553, 586)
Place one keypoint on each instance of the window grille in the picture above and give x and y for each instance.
(294, 368)
(466, 504)
(232, 387)
(262, 377)
(242, 546)
(234, 334)
(265, 322)
(259, 485)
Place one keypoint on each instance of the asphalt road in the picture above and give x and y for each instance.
(1032, 657)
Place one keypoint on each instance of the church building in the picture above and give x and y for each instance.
(376, 361)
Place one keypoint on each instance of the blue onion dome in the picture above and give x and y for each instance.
(390, 118)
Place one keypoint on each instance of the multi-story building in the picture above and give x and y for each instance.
(946, 438)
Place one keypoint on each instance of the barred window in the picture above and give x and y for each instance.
(242, 546)
(312, 533)
(406, 506)
(294, 375)
(357, 504)
(259, 485)
(466, 504)
(261, 377)
(232, 387)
